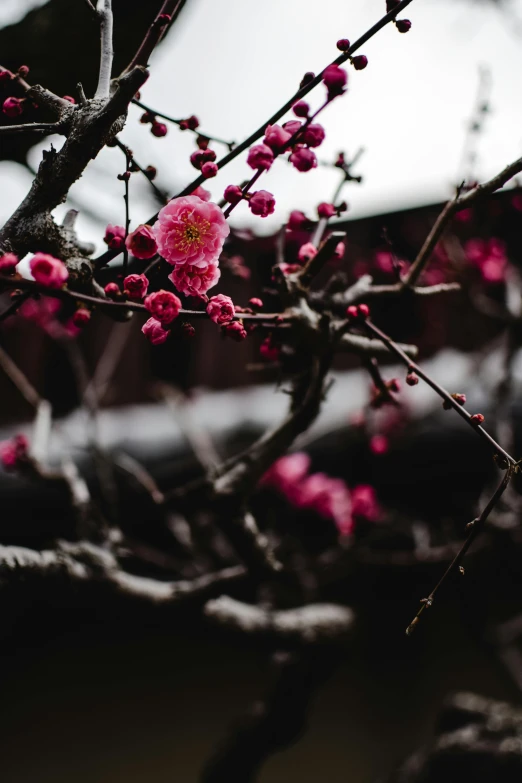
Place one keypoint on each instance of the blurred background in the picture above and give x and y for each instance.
(111, 694)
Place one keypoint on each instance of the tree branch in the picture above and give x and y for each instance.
(104, 10)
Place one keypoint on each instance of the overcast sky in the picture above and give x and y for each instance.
(233, 63)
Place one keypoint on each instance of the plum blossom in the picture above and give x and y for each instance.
(307, 251)
(276, 137)
(260, 157)
(221, 309)
(8, 262)
(154, 331)
(364, 503)
(114, 237)
(262, 203)
(330, 498)
(164, 306)
(235, 330)
(135, 286)
(191, 231)
(489, 256)
(193, 280)
(303, 159)
(142, 242)
(48, 271)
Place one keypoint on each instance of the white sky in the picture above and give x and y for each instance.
(233, 62)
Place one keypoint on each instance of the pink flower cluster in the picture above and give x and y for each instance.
(489, 257)
(221, 309)
(190, 234)
(328, 497)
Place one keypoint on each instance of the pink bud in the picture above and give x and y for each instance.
(403, 25)
(307, 251)
(233, 194)
(142, 242)
(154, 332)
(262, 203)
(23, 71)
(220, 309)
(343, 44)
(276, 138)
(477, 419)
(303, 159)
(13, 107)
(325, 210)
(292, 126)
(112, 290)
(260, 157)
(307, 78)
(5, 76)
(158, 129)
(297, 220)
(197, 159)
(81, 317)
(412, 378)
(209, 169)
(255, 303)
(313, 135)
(301, 109)
(187, 330)
(8, 262)
(379, 445)
(114, 237)
(360, 62)
(235, 330)
(335, 79)
(164, 306)
(135, 286)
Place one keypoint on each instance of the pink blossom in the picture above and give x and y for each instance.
(292, 126)
(191, 231)
(262, 203)
(115, 237)
(209, 169)
(364, 504)
(255, 303)
(359, 62)
(193, 280)
(81, 317)
(489, 256)
(325, 210)
(260, 157)
(154, 331)
(313, 135)
(297, 220)
(48, 271)
(301, 109)
(339, 251)
(276, 137)
(233, 194)
(221, 309)
(158, 129)
(287, 472)
(8, 262)
(335, 79)
(135, 286)
(268, 350)
(14, 452)
(112, 290)
(142, 242)
(328, 497)
(307, 251)
(13, 107)
(303, 159)
(235, 330)
(201, 193)
(379, 445)
(42, 311)
(163, 305)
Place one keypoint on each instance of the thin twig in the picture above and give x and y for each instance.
(33, 127)
(476, 526)
(154, 33)
(169, 118)
(159, 193)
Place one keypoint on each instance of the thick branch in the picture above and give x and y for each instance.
(310, 624)
(106, 51)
